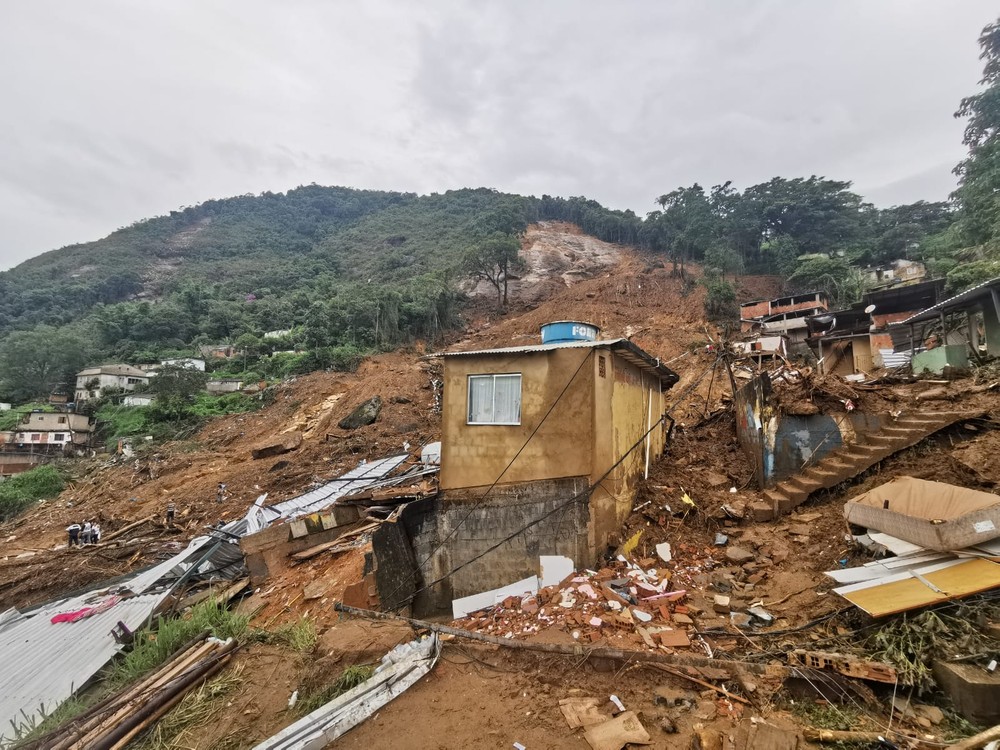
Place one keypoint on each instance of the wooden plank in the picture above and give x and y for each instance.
(319, 549)
(956, 581)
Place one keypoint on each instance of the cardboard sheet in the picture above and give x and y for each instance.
(903, 592)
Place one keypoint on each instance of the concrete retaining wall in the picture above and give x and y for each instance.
(468, 529)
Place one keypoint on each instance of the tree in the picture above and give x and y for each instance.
(492, 260)
(177, 382)
(684, 226)
(720, 297)
(835, 276)
(34, 362)
(978, 192)
(175, 389)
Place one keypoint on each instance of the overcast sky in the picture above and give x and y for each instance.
(117, 111)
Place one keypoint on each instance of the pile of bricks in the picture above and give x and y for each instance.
(627, 604)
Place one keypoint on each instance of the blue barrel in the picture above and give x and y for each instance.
(568, 331)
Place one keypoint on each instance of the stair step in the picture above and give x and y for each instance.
(909, 435)
(850, 460)
(804, 482)
(830, 474)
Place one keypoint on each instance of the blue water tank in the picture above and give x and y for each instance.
(568, 331)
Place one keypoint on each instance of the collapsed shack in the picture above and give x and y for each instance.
(54, 651)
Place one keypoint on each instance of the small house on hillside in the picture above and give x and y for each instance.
(139, 399)
(224, 385)
(542, 446)
(784, 315)
(217, 351)
(50, 432)
(189, 363)
(90, 382)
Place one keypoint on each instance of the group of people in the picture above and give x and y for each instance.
(85, 532)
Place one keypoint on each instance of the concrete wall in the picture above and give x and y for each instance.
(468, 530)
(799, 442)
(935, 360)
(636, 404)
(476, 455)
(991, 324)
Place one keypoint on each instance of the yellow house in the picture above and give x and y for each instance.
(542, 446)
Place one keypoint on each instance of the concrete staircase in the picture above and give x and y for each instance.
(851, 460)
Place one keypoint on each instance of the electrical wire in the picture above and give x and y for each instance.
(482, 499)
(575, 498)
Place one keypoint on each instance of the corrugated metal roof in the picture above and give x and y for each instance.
(952, 302)
(42, 664)
(45, 663)
(325, 496)
(626, 348)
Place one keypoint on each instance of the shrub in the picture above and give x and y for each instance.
(21, 491)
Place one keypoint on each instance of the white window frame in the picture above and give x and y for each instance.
(493, 377)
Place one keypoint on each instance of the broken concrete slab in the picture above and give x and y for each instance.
(584, 711)
(553, 569)
(283, 443)
(974, 691)
(759, 735)
(365, 414)
(721, 604)
(315, 590)
(465, 605)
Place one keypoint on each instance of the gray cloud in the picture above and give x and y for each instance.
(115, 111)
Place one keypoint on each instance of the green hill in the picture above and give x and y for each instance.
(349, 270)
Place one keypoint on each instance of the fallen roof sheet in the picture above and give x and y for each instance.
(44, 663)
(323, 497)
(921, 587)
(400, 669)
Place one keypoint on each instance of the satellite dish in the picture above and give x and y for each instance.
(870, 309)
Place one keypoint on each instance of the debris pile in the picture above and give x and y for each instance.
(116, 720)
(637, 605)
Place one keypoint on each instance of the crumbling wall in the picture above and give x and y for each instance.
(752, 413)
(539, 517)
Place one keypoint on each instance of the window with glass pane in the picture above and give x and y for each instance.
(495, 399)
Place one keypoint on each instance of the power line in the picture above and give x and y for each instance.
(587, 492)
(496, 481)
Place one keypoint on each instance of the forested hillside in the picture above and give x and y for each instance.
(351, 271)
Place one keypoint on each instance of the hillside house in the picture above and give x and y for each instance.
(894, 272)
(50, 432)
(90, 382)
(189, 363)
(138, 399)
(217, 351)
(859, 339)
(224, 385)
(783, 315)
(558, 434)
